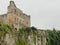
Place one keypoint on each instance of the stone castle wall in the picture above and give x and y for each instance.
(19, 19)
(15, 17)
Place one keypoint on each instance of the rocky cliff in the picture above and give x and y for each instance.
(25, 36)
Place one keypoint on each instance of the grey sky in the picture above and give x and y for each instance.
(44, 13)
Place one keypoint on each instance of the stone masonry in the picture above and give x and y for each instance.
(15, 17)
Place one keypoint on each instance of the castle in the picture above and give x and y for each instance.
(15, 17)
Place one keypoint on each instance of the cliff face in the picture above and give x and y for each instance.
(21, 37)
(31, 39)
(28, 36)
(24, 36)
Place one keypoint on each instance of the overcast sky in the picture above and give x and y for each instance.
(45, 14)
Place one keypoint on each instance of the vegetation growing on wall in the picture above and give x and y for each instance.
(21, 36)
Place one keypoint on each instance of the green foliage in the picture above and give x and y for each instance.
(53, 37)
(28, 30)
(21, 36)
(21, 30)
(3, 31)
(21, 42)
(33, 28)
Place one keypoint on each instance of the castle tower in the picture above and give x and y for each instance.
(11, 7)
(16, 17)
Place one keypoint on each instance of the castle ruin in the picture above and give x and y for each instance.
(18, 19)
(15, 17)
